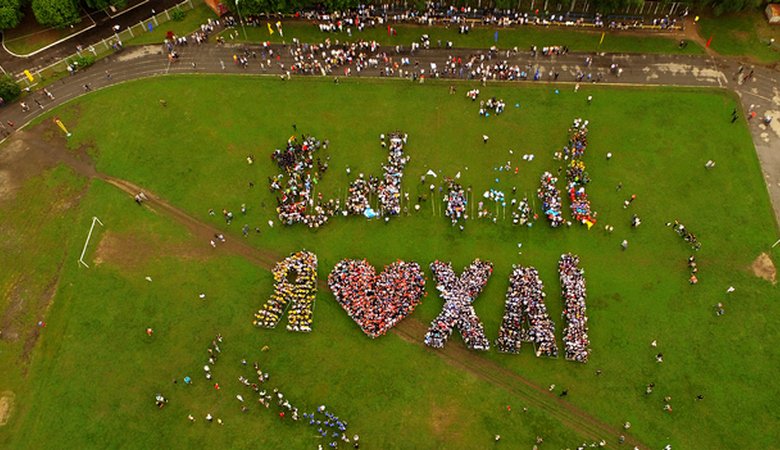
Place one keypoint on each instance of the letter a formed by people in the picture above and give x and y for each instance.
(295, 282)
(525, 315)
(459, 293)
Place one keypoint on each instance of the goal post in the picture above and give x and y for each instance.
(86, 242)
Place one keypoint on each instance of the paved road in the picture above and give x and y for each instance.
(102, 30)
(762, 91)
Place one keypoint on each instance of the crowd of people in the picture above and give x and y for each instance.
(576, 176)
(685, 234)
(199, 36)
(492, 104)
(458, 312)
(550, 197)
(295, 284)
(326, 57)
(330, 427)
(551, 50)
(456, 202)
(522, 214)
(694, 268)
(377, 302)
(387, 188)
(464, 17)
(295, 201)
(525, 317)
(575, 332)
(213, 352)
(357, 201)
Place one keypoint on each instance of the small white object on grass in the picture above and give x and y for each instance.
(730, 289)
(609, 155)
(202, 295)
(271, 223)
(148, 278)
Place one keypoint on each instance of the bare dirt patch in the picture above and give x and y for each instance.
(763, 267)
(446, 421)
(6, 406)
(30, 153)
(45, 301)
(130, 251)
(14, 298)
(138, 52)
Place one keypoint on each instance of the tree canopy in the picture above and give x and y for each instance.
(9, 90)
(10, 13)
(56, 13)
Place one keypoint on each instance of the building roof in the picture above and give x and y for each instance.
(775, 8)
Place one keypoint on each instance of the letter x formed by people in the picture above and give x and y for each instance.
(459, 293)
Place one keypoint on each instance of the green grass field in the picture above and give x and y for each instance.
(743, 34)
(479, 37)
(91, 379)
(192, 20)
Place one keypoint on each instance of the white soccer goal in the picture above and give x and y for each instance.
(86, 243)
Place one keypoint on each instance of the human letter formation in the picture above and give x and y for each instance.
(378, 302)
(295, 283)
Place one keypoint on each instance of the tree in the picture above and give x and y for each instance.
(10, 13)
(103, 4)
(609, 6)
(56, 13)
(727, 6)
(9, 90)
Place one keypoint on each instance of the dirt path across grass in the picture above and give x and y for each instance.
(43, 150)
(410, 330)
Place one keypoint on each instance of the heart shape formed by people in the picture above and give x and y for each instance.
(377, 302)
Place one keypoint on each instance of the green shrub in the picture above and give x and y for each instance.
(9, 90)
(178, 15)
